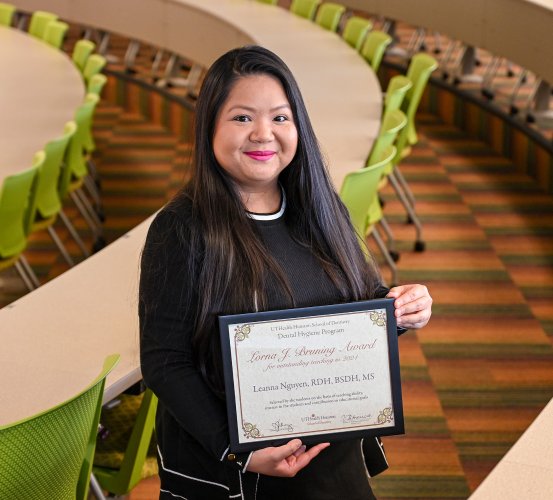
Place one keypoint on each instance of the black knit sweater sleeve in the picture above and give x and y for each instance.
(167, 298)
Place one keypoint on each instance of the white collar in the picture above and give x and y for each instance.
(274, 216)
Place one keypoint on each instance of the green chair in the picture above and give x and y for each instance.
(329, 15)
(270, 2)
(48, 205)
(359, 193)
(356, 30)
(395, 93)
(393, 123)
(7, 12)
(75, 174)
(94, 65)
(49, 455)
(126, 455)
(419, 71)
(374, 47)
(304, 8)
(96, 84)
(16, 205)
(55, 32)
(81, 52)
(39, 20)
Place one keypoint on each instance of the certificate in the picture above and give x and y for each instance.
(317, 373)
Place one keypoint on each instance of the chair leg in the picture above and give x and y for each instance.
(382, 247)
(95, 488)
(71, 228)
(88, 206)
(92, 190)
(21, 271)
(404, 185)
(61, 247)
(419, 243)
(29, 270)
(390, 240)
(86, 215)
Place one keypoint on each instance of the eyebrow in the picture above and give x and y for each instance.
(253, 110)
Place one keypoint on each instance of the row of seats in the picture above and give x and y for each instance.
(30, 201)
(33, 200)
(360, 189)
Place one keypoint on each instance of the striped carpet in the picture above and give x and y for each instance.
(487, 353)
(481, 371)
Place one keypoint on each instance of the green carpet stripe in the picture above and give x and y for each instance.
(510, 186)
(520, 231)
(427, 426)
(534, 260)
(406, 246)
(510, 398)
(488, 351)
(438, 486)
(519, 310)
(411, 275)
(524, 208)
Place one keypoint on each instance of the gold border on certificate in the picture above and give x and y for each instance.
(321, 373)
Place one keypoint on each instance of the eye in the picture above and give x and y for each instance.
(242, 118)
(280, 118)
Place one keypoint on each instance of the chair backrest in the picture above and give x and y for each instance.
(49, 455)
(6, 14)
(75, 163)
(395, 92)
(94, 64)
(39, 21)
(81, 53)
(119, 480)
(419, 71)
(329, 15)
(392, 123)
(356, 30)
(16, 201)
(374, 47)
(304, 8)
(96, 84)
(87, 111)
(360, 191)
(47, 200)
(55, 32)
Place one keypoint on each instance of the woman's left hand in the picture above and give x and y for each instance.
(413, 305)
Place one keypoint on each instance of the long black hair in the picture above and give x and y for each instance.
(235, 265)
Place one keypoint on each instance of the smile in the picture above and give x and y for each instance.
(260, 155)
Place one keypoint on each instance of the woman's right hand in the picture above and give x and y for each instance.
(284, 461)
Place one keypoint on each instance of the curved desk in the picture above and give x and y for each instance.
(40, 88)
(54, 340)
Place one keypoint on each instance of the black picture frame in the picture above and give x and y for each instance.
(237, 445)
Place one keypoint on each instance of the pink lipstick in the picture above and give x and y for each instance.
(260, 155)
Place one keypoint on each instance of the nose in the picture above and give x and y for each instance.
(262, 131)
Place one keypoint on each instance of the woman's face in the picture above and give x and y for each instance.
(255, 135)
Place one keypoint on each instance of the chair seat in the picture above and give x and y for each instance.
(8, 261)
(43, 222)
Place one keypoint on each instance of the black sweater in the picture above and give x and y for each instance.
(191, 422)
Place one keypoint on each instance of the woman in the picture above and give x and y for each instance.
(259, 227)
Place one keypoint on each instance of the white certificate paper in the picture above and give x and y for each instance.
(321, 373)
